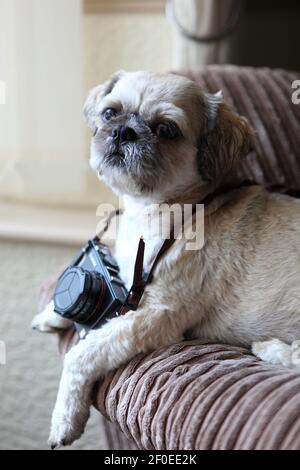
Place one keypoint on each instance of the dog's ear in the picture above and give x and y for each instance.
(228, 138)
(90, 109)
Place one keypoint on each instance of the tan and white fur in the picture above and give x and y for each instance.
(240, 288)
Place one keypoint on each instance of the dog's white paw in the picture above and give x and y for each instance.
(273, 351)
(49, 322)
(67, 425)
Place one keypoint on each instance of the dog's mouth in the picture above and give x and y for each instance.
(110, 161)
(115, 155)
(115, 158)
(136, 163)
(131, 156)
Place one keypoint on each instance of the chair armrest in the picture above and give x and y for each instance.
(196, 396)
(203, 396)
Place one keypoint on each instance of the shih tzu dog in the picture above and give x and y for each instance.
(160, 139)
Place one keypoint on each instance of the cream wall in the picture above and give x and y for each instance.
(41, 127)
(122, 41)
(48, 66)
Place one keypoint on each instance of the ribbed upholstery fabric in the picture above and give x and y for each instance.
(212, 396)
(203, 396)
(264, 97)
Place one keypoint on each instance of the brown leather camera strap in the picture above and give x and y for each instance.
(141, 279)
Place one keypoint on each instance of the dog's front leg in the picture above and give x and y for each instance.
(103, 350)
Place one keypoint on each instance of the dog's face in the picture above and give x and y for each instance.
(160, 134)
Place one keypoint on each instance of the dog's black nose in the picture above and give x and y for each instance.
(124, 134)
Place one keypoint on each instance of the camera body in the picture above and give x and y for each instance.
(90, 291)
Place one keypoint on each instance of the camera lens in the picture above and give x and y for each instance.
(79, 294)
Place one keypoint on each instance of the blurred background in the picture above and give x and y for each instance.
(51, 53)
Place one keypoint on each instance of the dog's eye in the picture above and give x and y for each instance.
(108, 113)
(167, 130)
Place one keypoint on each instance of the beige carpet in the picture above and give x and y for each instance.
(29, 380)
